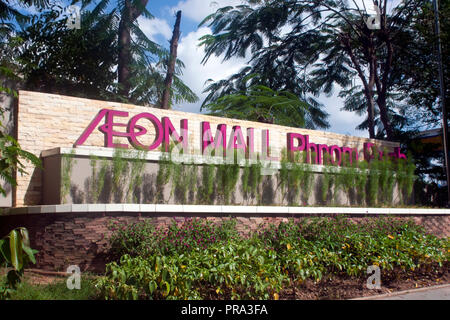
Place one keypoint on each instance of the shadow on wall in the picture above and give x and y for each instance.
(33, 194)
(148, 189)
(268, 191)
(102, 188)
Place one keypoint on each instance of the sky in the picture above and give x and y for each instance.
(196, 74)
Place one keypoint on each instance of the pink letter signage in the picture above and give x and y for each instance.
(165, 131)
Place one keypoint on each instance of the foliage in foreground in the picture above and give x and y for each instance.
(55, 291)
(143, 239)
(260, 265)
(15, 252)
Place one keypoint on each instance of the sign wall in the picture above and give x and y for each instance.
(47, 121)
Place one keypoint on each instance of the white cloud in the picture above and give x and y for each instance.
(197, 10)
(154, 27)
(195, 74)
(341, 121)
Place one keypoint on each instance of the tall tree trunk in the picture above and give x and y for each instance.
(384, 117)
(382, 85)
(370, 112)
(129, 14)
(368, 85)
(369, 92)
(124, 52)
(171, 65)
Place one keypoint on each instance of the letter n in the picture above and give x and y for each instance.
(169, 131)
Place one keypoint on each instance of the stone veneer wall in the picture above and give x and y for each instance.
(65, 239)
(47, 121)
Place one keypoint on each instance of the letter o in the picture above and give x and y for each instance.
(132, 135)
(335, 155)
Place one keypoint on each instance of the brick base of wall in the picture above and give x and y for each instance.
(65, 239)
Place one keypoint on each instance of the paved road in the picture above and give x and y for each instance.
(434, 293)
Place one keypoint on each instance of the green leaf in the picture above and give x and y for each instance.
(25, 237)
(13, 277)
(5, 251)
(30, 252)
(167, 288)
(152, 286)
(15, 245)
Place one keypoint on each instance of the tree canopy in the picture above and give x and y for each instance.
(89, 61)
(314, 47)
(262, 104)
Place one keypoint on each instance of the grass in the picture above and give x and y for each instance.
(55, 291)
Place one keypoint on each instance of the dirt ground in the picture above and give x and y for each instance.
(348, 288)
(40, 277)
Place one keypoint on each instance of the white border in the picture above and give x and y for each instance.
(216, 209)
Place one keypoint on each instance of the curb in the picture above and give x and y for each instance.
(393, 294)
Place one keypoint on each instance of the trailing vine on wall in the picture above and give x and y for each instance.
(227, 176)
(366, 183)
(374, 181)
(68, 162)
(97, 181)
(192, 182)
(254, 180)
(328, 179)
(119, 173)
(207, 187)
(361, 178)
(405, 179)
(165, 170)
(348, 177)
(136, 176)
(181, 181)
(245, 180)
(387, 180)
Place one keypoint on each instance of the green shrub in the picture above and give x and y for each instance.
(142, 238)
(199, 260)
(233, 270)
(129, 239)
(337, 246)
(191, 234)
